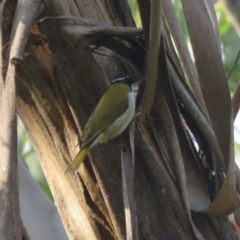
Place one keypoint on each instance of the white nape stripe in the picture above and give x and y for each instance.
(118, 79)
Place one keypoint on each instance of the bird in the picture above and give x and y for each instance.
(110, 118)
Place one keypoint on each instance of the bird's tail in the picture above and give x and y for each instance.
(78, 159)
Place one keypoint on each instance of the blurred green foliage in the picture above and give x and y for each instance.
(230, 47)
(135, 12)
(28, 155)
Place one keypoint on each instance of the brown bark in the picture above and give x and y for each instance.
(57, 88)
(60, 86)
(10, 214)
(10, 221)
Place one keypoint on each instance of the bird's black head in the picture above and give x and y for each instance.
(123, 78)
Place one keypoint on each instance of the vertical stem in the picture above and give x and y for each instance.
(10, 221)
(152, 58)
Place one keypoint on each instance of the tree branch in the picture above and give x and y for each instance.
(10, 221)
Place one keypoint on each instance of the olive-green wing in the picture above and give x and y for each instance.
(112, 105)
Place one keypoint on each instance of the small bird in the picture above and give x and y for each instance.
(110, 118)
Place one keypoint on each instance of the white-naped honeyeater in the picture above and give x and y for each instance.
(110, 118)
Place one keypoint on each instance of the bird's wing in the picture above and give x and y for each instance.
(104, 115)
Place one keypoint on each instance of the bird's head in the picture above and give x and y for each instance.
(122, 78)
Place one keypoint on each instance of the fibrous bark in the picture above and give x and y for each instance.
(58, 86)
